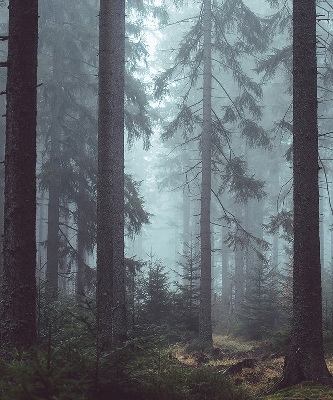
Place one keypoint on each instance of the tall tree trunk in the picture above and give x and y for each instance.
(225, 267)
(239, 268)
(322, 225)
(331, 255)
(81, 255)
(51, 286)
(41, 237)
(81, 235)
(19, 279)
(111, 307)
(275, 182)
(205, 319)
(2, 193)
(305, 357)
(186, 216)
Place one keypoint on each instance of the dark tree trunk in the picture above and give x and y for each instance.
(305, 357)
(111, 295)
(52, 265)
(2, 178)
(19, 286)
(205, 319)
(322, 225)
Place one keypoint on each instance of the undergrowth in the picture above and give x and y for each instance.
(23, 378)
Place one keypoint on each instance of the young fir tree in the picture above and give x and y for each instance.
(19, 279)
(188, 299)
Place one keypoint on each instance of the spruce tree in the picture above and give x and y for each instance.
(111, 296)
(207, 43)
(19, 279)
(305, 356)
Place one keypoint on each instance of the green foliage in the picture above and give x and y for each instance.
(328, 343)
(205, 384)
(135, 214)
(261, 312)
(255, 134)
(270, 65)
(305, 390)
(283, 219)
(239, 183)
(279, 341)
(46, 376)
(71, 364)
(197, 345)
(153, 295)
(185, 121)
(187, 297)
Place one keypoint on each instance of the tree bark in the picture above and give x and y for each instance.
(2, 177)
(305, 357)
(19, 281)
(239, 269)
(52, 285)
(205, 319)
(322, 224)
(111, 295)
(81, 235)
(225, 267)
(186, 214)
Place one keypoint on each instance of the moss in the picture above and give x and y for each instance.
(303, 391)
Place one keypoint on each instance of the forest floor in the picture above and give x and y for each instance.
(252, 366)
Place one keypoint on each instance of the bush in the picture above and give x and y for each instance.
(279, 341)
(207, 384)
(197, 345)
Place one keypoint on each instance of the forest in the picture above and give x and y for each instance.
(166, 220)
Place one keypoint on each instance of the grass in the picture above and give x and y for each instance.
(303, 391)
(266, 373)
(233, 345)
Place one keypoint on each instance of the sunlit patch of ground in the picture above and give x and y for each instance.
(232, 344)
(329, 362)
(258, 380)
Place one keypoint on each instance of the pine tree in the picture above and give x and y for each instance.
(19, 280)
(206, 40)
(205, 319)
(305, 357)
(111, 296)
(51, 285)
(76, 126)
